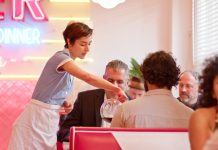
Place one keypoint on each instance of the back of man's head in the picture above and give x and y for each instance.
(160, 69)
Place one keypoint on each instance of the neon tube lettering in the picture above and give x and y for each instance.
(26, 36)
(2, 13)
(33, 6)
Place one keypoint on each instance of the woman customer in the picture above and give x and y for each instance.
(203, 120)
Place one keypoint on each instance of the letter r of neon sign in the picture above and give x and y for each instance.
(1, 13)
(33, 6)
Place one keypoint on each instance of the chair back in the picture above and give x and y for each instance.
(97, 138)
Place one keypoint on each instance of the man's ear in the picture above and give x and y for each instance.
(104, 76)
(126, 88)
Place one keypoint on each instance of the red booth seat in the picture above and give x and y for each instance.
(97, 138)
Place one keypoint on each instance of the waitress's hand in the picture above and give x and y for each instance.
(67, 106)
(121, 96)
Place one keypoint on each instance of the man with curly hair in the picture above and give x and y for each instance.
(157, 108)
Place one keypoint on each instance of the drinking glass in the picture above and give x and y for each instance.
(108, 109)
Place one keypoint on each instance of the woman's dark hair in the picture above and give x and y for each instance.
(76, 30)
(160, 68)
(206, 82)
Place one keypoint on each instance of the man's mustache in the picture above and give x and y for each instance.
(185, 94)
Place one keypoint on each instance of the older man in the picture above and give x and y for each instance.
(157, 108)
(86, 110)
(188, 89)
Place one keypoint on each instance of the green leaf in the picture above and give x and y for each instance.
(135, 69)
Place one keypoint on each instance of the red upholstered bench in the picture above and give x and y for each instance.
(97, 138)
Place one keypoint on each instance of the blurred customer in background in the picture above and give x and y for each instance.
(136, 88)
(136, 82)
(188, 89)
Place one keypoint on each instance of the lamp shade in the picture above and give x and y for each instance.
(108, 3)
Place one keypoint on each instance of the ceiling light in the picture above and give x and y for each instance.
(108, 3)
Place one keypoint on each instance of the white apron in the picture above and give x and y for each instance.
(36, 127)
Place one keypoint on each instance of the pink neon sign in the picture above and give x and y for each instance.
(18, 9)
(1, 13)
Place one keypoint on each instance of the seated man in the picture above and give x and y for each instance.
(136, 88)
(157, 108)
(86, 110)
(188, 89)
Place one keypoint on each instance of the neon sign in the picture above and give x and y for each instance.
(18, 9)
(20, 36)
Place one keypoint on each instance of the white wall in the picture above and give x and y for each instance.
(182, 33)
(137, 27)
(132, 29)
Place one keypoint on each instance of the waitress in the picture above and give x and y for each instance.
(37, 126)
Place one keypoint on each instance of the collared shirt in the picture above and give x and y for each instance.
(53, 85)
(103, 122)
(156, 109)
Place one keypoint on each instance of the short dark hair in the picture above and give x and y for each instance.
(76, 30)
(206, 82)
(160, 68)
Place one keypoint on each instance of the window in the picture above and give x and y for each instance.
(205, 30)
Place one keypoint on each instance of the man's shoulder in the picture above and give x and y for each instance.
(91, 91)
(132, 104)
(89, 98)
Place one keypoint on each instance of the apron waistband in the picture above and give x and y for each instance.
(45, 105)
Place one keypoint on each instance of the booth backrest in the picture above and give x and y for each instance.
(97, 138)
